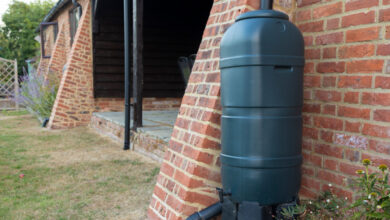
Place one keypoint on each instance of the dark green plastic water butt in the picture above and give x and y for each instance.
(262, 59)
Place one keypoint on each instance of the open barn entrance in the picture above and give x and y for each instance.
(171, 30)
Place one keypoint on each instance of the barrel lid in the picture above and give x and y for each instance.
(263, 14)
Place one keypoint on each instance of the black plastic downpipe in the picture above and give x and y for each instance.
(267, 4)
(76, 4)
(207, 213)
(127, 74)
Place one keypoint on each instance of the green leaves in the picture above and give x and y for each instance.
(19, 30)
(372, 198)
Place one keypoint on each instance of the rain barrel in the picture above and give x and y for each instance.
(261, 61)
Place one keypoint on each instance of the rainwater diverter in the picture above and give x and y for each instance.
(261, 61)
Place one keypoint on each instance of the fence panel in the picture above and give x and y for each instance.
(9, 85)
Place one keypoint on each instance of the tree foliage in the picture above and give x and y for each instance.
(20, 23)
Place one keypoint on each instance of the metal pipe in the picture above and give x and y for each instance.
(76, 4)
(267, 4)
(127, 74)
(137, 62)
(207, 213)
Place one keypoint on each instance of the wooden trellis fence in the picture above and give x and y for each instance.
(9, 84)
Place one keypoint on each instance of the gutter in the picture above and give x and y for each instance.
(53, 11)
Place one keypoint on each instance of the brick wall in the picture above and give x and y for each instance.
(346, 103)
(118, 104)
(75, 102)
(347, 89)
(191, 169)
(58, 55)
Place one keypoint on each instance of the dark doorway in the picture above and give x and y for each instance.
(171, 29)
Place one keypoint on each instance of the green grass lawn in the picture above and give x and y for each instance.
(69, 174)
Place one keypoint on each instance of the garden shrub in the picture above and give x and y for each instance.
(372, 203)
(38, 93)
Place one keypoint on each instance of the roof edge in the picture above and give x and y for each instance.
(53, 11)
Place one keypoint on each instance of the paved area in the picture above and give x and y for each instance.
(156, 123)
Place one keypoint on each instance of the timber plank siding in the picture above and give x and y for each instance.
(169, 32)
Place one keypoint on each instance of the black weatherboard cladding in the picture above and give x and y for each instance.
(171, 29)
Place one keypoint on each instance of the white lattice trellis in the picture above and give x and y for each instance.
(9, 85)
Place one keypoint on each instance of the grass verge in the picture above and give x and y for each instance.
(69, 174)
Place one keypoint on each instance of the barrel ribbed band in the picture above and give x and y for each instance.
(261, 60)
(259, 162)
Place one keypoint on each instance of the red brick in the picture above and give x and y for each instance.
(195, 197)
(307, 171)
(365, 66)
(359, 4)
(307, 95)
(311, 133)
(159, 192)
(329, 110)
(387, 36)
(302, 3)
(312, 159)
(349, 169)
(327, 136)
(384, 15)
(328, 53)
(365, 50)
(352, 126)
(203, 172)
(331, 67)
(333, 24)
(386, 2)
(351, 112)
(327, 10)
(329, 81)
(332, 38)
(310, 183)
(315, 26)
(383, 50)
(330, 164)
(311, 54)
(380, 146)
(355, 82)
(306, 144)
(363, 34)
(358, 19)
(376, 130)
(311, 108)
(308, 40)
(329, 123)
(307, 120)
(376, 98)
(323, 95)
(330, 177)
(382, 115)
(306, 193)
(311, 81)
(303, 15)
(351, 97)
(309, 68)
(167, 169)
